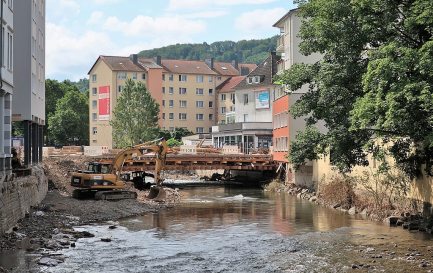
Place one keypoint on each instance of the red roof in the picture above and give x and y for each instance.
(230, 84)
(187, 67)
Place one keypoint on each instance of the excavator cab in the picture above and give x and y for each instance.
(97, 167)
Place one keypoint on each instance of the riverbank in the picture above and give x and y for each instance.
(49, 226)
(404, 215)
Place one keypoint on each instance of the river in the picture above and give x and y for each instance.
(246, 230)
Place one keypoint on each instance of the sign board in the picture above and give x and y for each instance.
(17, 142)
(104, 103)
(262, 99)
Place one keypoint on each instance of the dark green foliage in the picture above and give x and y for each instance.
(178, 133)
(172, 142)
(54, 92)
(374, 82)
(251, 51)
(135, 118)
(69, 125)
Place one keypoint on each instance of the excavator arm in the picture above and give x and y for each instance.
(159, 147)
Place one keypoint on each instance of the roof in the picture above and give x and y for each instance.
(187, 67)
(227, 69)
(230, 84)
(266, 70)
(121, 63)
(285, 17)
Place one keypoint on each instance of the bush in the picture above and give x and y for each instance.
(339, 191)
(172, 142)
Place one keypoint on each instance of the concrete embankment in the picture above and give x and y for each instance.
(18, 194)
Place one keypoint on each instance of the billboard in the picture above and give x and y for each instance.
(104, 103)
(262, 99)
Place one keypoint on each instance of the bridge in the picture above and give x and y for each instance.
(184, 162)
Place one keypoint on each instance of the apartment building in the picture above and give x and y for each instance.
(6, 87)
(286, 127)
(248, 123)
(29, 63)
(106, 80)
(184, 89)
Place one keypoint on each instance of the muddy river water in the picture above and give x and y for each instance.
(247, 230)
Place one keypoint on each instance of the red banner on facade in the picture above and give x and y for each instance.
(104, 103)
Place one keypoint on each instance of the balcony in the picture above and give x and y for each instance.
(243, 126)
(280, 44)
(281, 66)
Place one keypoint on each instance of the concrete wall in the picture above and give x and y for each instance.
(249, 109)
(18, 195)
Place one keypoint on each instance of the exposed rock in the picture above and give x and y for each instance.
(112, 227)
(313, 199)
(107, 240)
(352, 211)
(392, 220)
(48, 261)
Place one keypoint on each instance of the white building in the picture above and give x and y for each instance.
(249, 123)
(6, 85)
(29, 64)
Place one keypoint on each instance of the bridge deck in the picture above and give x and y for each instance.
(204, 162)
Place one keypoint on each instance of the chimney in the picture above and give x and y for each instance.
(134, 58)
(158, 60)
(210, 62)
(235, 64)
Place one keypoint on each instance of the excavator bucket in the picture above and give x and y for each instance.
(156, 193)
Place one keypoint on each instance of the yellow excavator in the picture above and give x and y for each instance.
(103, 179)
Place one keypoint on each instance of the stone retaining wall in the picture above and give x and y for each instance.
(18, 195)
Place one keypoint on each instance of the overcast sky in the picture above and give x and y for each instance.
(78, 31)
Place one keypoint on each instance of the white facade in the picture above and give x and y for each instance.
(29, 97)
(7, 85)
(247, 108)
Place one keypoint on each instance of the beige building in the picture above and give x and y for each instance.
(185, 91)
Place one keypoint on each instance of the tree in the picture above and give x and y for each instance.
(178, 133)
(69, 125)
(374, 81)
(135, 118)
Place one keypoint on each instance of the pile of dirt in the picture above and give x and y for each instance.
(58, 171)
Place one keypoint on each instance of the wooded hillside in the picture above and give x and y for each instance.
(251, 51)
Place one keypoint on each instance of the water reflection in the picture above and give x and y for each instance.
(221, 207)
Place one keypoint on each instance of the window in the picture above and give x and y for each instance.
(210, 79)
(95, 130)
(11, 5)
(232, 108)
(121, 75)
(183, 78)
(223, 110)
(134, 75)
(171, 90)
(94, 78)
(94, 116)
(120, 88)
(182, 91)
(199, 104)
(163, 77)
(219, 78)
(94, 91)
(210, 91)
(245, 117)
(143, 76)
(199, 116)
(163, 103)
(233, 98)
(211, 104)
(171, 129)
(163, 115)
(245, 98)
(199, 78)
(170, 77)
(223, 97)
(210, 116)
(199, 130)
(182, 103)
(171, 116)
(170, 103)
(94, 104)
(182, 116)
(10, 52)
(163, 90)
(250, 80)
(199, 91)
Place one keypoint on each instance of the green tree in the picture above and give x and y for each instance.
(178, 133)
(135, 118)
(69, 125)
(375, 80)
(172, 142)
